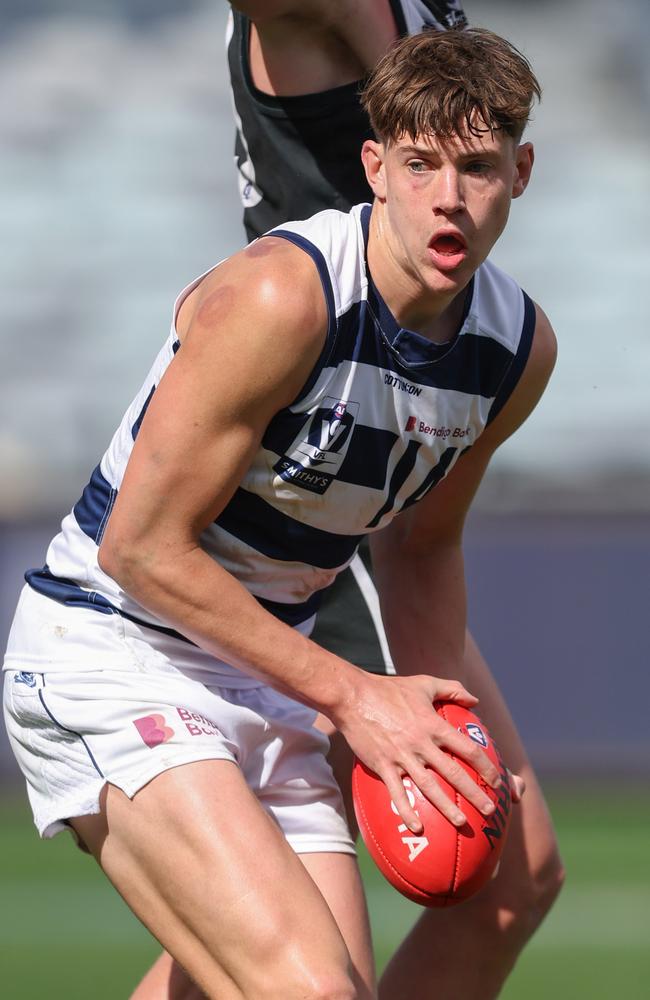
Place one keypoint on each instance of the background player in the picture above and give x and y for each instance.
(295, 70)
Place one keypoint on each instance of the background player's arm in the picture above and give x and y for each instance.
(418, 559)
(256, 329)
(308, 46)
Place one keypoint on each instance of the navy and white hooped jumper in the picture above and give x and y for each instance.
(384, 417)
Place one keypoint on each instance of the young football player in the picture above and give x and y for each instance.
(161, 685)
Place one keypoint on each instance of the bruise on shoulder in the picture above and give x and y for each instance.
(264, 247)
(215, 306)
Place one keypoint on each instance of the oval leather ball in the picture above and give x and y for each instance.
(445, 864)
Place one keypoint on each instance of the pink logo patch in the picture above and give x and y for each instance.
(153, 730)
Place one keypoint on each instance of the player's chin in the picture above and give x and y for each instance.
(451, 270)
(444, 282)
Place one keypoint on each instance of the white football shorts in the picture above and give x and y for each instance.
(74, 726)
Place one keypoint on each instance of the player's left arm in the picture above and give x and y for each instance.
(418, 558)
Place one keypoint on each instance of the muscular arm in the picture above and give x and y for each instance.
(418, 559)
(201, 430)
(256, 328)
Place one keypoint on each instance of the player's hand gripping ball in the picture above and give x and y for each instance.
(444, 864)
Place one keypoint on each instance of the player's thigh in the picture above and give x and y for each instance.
(339, 881)
(211, 875)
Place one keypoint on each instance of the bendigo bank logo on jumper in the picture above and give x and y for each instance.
(421, 427)
(317, 454)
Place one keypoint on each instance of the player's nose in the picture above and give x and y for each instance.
(448, 191)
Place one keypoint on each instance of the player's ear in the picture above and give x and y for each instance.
(372, 156)
(525, 157)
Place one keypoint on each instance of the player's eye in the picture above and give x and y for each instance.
(478, 167)
(417, 166)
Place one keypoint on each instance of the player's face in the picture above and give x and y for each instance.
(444, 203)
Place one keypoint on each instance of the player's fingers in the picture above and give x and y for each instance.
(455, 775)
(402, 803)
(431, 790)
(449, 690)
(471, 753)
(517, 786)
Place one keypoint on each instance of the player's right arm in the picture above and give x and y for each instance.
(255, 329)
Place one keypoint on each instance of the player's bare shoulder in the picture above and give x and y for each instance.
(263, 305)
(531, 384)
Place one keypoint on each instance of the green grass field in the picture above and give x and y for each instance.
(64, 932)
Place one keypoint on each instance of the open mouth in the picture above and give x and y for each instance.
(448, 245)
(448, 251)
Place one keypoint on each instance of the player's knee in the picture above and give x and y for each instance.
(547, 885)
(536, 895)
(323, 981)
(296, 970)
(332, 986)
(302, 983)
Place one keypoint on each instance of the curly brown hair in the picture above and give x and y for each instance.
(465, 80)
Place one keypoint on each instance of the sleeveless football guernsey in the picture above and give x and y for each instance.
(384, 416)
(296, 156)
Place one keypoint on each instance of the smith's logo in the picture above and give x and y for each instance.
(317, 454)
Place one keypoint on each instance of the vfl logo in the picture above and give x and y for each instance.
(317, 454)
(329, 431)
(476, 733)
(153, 729)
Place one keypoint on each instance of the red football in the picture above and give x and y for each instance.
(444, 864)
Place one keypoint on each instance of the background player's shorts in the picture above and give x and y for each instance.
(349, 622)
(73, 730)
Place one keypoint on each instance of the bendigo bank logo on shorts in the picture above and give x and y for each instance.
(316, 455)
(197, 724)
(153, 729)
